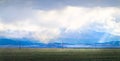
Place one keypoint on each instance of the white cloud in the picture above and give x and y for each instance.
(46, 25)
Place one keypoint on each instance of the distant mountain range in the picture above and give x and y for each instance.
(26, 43)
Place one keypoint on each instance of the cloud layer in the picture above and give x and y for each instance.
(46, 25)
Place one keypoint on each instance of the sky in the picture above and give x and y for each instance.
(69, 21)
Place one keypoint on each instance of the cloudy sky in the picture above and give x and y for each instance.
(72, 21)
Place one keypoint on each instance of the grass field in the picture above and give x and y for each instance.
(31, 54)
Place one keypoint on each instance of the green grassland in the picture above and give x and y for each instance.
(54, 54)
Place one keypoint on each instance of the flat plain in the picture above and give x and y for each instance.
(58, 54)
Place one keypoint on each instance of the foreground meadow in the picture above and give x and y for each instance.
(55, 54)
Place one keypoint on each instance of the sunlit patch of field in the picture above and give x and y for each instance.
(55, 54)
